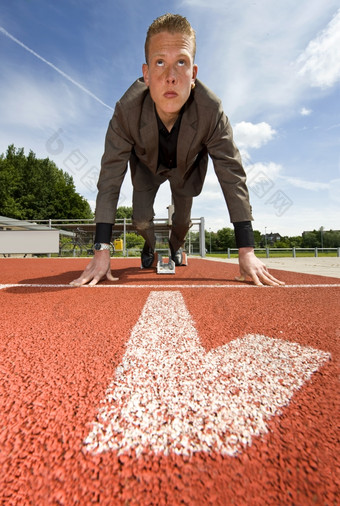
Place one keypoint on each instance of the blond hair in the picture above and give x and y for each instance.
(173, 23)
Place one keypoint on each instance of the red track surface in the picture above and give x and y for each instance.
(60, 348)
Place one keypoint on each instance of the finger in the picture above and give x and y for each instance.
(243, 275)
(86, 276)
(268, 276)
(268, 279)
(110, 277)
(252, 276)
(240, 278)
(95, 280)
(80, 281)
(255, 279)
(278, 281)
(98, 277)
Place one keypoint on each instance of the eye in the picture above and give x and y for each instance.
(181, 63)
(159, 63)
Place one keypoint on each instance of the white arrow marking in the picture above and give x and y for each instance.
(170, 395)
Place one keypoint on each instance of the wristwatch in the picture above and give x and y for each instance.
(101, 245)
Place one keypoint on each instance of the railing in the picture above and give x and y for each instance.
(71, 231)
(290, 252)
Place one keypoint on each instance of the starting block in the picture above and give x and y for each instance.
(165, 267)
(168, 267)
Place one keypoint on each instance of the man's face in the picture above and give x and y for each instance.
(170, 72)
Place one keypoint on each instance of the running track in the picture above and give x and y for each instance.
(167, 389)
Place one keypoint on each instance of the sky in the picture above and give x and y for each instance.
(274, 65)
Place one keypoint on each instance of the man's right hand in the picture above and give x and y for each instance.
(98, 268)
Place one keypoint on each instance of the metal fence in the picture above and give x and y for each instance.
(77, 237)
(290, 252)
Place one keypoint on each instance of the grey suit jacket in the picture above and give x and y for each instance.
(132, 137)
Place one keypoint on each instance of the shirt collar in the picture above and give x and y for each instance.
(161, 126)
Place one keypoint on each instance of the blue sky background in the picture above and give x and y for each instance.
(275, 65)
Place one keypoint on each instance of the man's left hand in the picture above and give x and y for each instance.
(251, 267)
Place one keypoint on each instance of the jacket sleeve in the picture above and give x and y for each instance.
(118, 146)
(229, 169)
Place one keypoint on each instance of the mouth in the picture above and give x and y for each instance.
(170, 94)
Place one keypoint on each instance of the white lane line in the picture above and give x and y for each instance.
(157, 286)
(170, 395)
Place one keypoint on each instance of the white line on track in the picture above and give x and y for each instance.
(170, 395)
(178, 286)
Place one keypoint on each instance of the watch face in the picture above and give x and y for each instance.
(97, 246)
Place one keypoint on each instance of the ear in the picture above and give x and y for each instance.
(145, 70)
(194, 74)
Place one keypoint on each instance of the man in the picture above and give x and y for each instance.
(165, 126)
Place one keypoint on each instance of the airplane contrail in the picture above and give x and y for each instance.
(80, 86)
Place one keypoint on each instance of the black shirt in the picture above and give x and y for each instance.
(167, 144)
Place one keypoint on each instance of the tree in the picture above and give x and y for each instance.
(124, 212)
(210, 241)
(311, 239)
(257, 238)
(225, 238)
(288, 242)
(134, 241)
(35, 189)
(331, 239)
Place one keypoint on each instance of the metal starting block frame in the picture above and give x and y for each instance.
(169, 266)
(165, 267)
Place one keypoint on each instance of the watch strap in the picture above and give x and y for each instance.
(101, 245)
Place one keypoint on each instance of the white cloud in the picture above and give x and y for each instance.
(307, 185)
(297, 218)
(268, 170)
(250, 135)
(38, 102)
(24, 103)
(334, 191)
(305, 112)
(92, 204)
(320, 62)
(54, 120)
(62, 73)
(248, 55)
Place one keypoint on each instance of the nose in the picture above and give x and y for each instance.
(171, 75)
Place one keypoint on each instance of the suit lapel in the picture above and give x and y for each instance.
(149, 133)
(186, 134)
